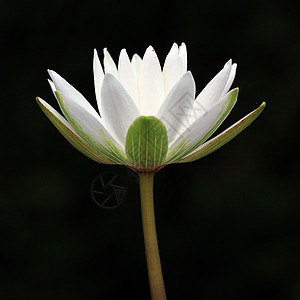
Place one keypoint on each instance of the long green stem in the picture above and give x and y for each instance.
(156, 280)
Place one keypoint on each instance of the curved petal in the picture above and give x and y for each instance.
(61, 85)
(98, 77)
(175, 111)
(119, 110)
(224, 137)
(109, 64)
(68, 132)
(203, 128)
(91, 130)
(214, 89)
(173, 68)
(127, 77)
(151, 86)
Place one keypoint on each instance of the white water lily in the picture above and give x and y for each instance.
(148, 116)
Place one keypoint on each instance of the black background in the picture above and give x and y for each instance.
(228, 224)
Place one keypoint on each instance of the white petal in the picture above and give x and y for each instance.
(126, 76)
(173, 68)
(230, 79)
(176, 109)
(61, 85)
(136, 62)
(207, 123)
(98, 77)
(151, 86)
(214, 89)
(90, 129)
(118, 109)
(109, 64)
(183, 54)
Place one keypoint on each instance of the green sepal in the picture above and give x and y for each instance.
(73, 138)
(224, 137)
(146, 142)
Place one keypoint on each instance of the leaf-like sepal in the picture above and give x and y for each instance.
(146, 142)
(65, 129)
(224, 137)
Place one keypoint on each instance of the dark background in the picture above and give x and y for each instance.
(228, 224)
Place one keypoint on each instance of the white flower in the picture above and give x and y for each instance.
(148, 116)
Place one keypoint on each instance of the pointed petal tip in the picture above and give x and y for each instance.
(105, 51)
(51, 83)
(135, 55)
(108, 76)
(52, 73)
(149, 49)
(175, 45)
(95, 52)
(228, 63)
(236, 91)
(182, 48)
(188, 74)
(108, 79)
(40, 101)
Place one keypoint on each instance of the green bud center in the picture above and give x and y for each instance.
(146, 142)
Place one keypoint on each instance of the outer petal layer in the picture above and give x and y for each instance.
(91, 130)
(224, 137)
(203, 128)
(68, 132)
